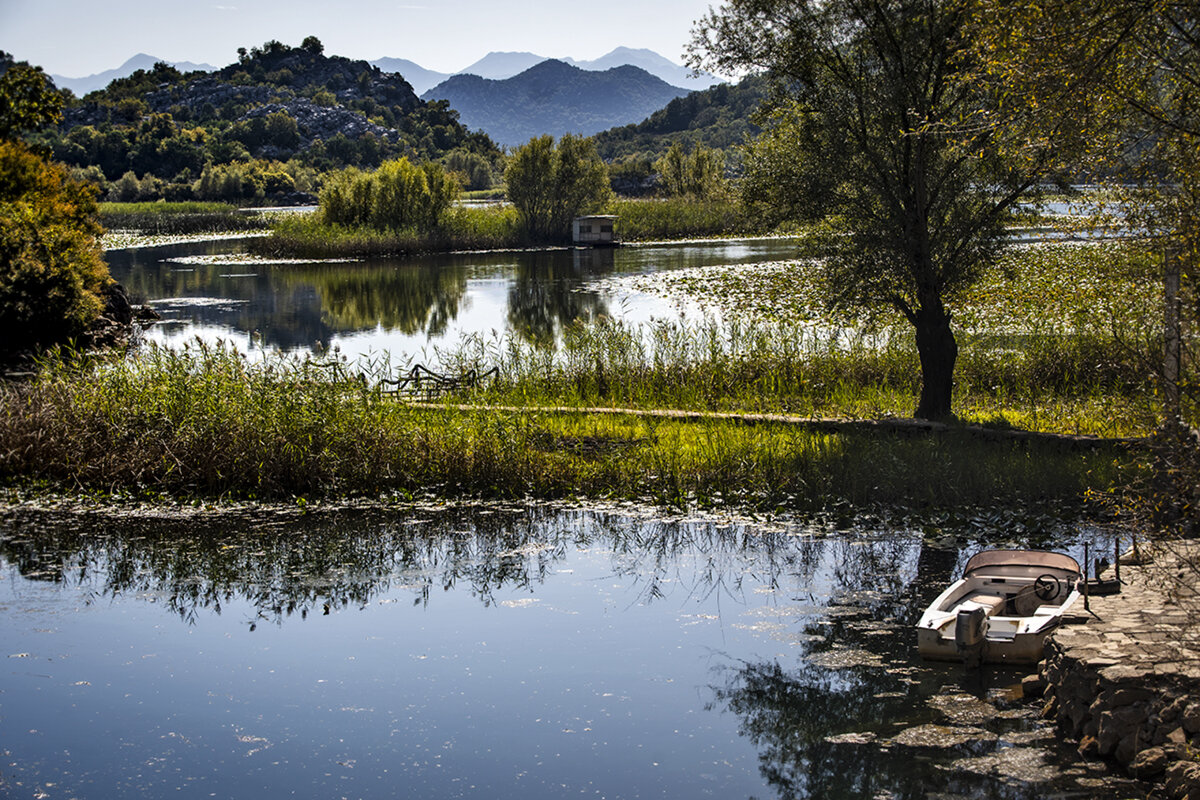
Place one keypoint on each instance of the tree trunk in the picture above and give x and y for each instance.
(938, 351)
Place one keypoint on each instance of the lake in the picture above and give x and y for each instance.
(496, 652)
(408, 306)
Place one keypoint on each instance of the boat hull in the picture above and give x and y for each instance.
(1024, 648)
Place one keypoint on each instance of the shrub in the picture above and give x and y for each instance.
(396, 196)
(51, 270)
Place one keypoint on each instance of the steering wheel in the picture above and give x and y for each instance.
(1046, 587)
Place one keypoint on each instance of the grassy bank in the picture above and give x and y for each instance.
(177, 218)
(207, 422)
(495, 227)
(464, 228)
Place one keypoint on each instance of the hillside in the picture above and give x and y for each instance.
(719, 117)
(277, 104)
(556, 98)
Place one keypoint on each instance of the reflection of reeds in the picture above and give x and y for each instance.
(207, 421)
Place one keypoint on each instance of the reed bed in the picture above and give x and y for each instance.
(463, 228)
(682, 218)
(178, 218)
(1049, 383)
(206, 421)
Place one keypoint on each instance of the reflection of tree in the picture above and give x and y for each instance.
(877, 591)
(542, 300)
(420, 297)
(299, 566)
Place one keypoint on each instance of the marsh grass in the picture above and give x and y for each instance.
(495, 227)
(1066, 385)
(680, 218)
(206, 421)
(462, 228)
(178, 218)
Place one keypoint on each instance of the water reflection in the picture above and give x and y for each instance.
(536, 652)
(398, 305)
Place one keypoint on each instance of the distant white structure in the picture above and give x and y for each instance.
(596, 229)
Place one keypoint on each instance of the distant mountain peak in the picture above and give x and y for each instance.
(554, 97)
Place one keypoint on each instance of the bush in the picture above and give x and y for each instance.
(52, 273)
(399, 195)
(550, 185)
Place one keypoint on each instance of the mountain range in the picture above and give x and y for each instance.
(90, 83)
(554, 97)
(493, 66)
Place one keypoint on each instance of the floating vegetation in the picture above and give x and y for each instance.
(131, 239)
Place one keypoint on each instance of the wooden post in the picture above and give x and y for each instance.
(1117, 559)
(1086, 558)
(1171, 334)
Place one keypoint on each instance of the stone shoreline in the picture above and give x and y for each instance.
(1126, 683)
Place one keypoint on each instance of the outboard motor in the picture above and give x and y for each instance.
(970, 635)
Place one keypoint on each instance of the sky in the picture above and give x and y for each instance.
(75, 38)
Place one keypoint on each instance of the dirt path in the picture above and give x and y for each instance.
(891, 425)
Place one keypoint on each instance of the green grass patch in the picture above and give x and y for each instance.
(206, 421)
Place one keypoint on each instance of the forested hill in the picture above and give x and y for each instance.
(554, 97)
(718, 117)
(277, 104)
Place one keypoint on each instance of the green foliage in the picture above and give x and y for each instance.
(917, 183)
(51, 270)
(474, 170)
(720, 117)
(699, 174)
(28, 99)
(309, 236)
(681, 218)
(552, 184)
(175, 126)
(399, 195)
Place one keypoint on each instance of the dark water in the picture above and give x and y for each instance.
(402, 306)
(496, 653)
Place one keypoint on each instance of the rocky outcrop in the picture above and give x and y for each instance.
(1126, 685)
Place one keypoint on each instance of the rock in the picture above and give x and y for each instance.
(116, 304)
(1191, 718)
(1033, 686)
(1149, 763)
(1183, 780)
(1088, 746)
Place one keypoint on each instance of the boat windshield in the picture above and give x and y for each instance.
(1039, 559)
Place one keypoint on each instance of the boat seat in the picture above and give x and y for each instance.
(991, 604)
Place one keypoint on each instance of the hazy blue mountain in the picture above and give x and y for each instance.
(90, 83)
(652, 62)
(498, 66)
(418, 77)
(556, 98)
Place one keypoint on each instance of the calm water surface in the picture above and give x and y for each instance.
(402, 306)
(492, 653)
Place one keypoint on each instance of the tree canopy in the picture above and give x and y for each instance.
(892, 147)
(552, 184)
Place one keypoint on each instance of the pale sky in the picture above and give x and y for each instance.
(75, 38)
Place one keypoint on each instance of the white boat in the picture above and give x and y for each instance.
(1002, 608)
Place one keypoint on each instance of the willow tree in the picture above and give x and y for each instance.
(891, 144)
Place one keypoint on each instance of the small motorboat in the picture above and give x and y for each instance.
(1002, 608)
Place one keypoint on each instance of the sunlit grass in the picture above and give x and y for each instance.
(206, 421)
